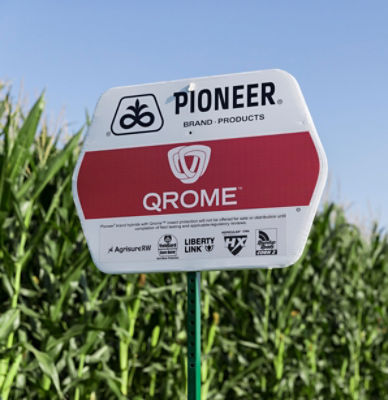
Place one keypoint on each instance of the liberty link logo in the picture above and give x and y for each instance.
(137, 114)
(179, 157)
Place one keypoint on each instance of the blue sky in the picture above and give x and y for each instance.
(336, 50)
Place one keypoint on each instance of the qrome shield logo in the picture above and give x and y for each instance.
(188, 163)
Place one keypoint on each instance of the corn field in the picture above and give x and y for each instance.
(317, 330)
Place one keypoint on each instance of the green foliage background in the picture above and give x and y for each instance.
(316, 330)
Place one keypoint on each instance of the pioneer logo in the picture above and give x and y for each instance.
(235, 243)
(137, 114)
(185, 171)
(225, 98)
(197, 245)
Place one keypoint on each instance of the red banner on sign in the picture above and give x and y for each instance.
(229, 174)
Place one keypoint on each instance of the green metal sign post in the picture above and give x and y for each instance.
(194, 335)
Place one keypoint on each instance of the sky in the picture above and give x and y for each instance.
(337, 51)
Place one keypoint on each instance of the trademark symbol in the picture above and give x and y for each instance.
(240, 188)
(108, 133)
(298, 209)
(280, 101)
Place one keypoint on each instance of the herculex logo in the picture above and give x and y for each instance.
(177, 157)
(199, 156)
(137, 114)
(235, 243)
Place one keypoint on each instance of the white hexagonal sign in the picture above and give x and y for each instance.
(222, 172)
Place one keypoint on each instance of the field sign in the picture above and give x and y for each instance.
(222, 172)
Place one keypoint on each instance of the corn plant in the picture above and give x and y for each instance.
(316, 330)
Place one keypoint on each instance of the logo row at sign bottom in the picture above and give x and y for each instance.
(168, 246)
